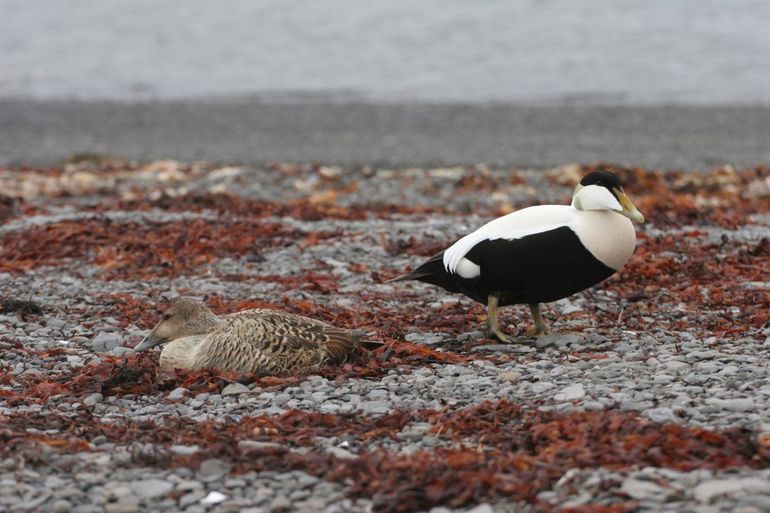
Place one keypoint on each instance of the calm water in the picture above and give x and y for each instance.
(544, 51)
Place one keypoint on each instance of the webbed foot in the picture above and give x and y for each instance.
(493, 323)
(539, 329)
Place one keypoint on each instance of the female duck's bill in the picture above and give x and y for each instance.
(185, 318)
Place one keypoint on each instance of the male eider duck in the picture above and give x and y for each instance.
(251, 341)
(540, 254)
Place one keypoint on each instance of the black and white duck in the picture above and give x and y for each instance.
(540, 254)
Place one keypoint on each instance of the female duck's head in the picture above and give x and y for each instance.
(601, 190)
(185, 318)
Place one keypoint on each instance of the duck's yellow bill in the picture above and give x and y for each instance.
(629, 210)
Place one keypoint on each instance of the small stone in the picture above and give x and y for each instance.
(511, 376)
(675, 365)
(235, 389)
(184, 450)
(643, 490)
(32, 504)
(375, 407)
(661, 415)
(701, 355)
(761, 503)
(738, 405)
(546, 341)
(99, 440)
(542, 386)
(280, 503)
(377, 394)
(122, 507)
(55, 323)
(751, 509)
(569, 308)
(481, 508)
(707, 491)
(568, 339)
(571, 393)
(214, 498)
(187, 486)
(318, 397)
(281, 399)
(415, 431)
(257, 445)
(93, 399)
(190, 498)
(87, 508)
(177, 394)
(503, 348)
(234, 483)
(213, 469)
(75, 360)
(470, 336)
(340, 453)
(61, 506)
(151, 488)
(105, 341)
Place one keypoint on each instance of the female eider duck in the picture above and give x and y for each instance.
(540, 254)
(251, 341)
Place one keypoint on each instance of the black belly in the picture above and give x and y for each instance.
(538, 268)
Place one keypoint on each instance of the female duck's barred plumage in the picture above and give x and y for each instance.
(540, 254)
(274, 342)
(252, 341)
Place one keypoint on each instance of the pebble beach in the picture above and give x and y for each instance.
(651, 395)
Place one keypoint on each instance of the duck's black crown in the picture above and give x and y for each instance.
(602, 179)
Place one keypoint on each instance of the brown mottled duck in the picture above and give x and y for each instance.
(252, 341)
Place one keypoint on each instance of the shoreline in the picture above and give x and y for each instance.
(41, 132)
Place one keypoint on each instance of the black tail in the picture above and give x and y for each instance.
(434, 272)
(433, 267)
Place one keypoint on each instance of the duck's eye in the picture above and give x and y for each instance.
(166, 316)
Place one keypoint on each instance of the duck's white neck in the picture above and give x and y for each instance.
(594, 197)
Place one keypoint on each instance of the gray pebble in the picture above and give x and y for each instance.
(151, 488)
(280, 503)
(93, 399)
(212, 470)
(122, 507)
(61, 506)
(177, 394)
(55, 323)
(235, 389)
(255, 444)
(184, 450)
(104, 342)
(661, 415)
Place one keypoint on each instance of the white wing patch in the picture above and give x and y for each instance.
(516, 225)
(467, 269)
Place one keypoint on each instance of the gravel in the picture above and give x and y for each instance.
(666, 373)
